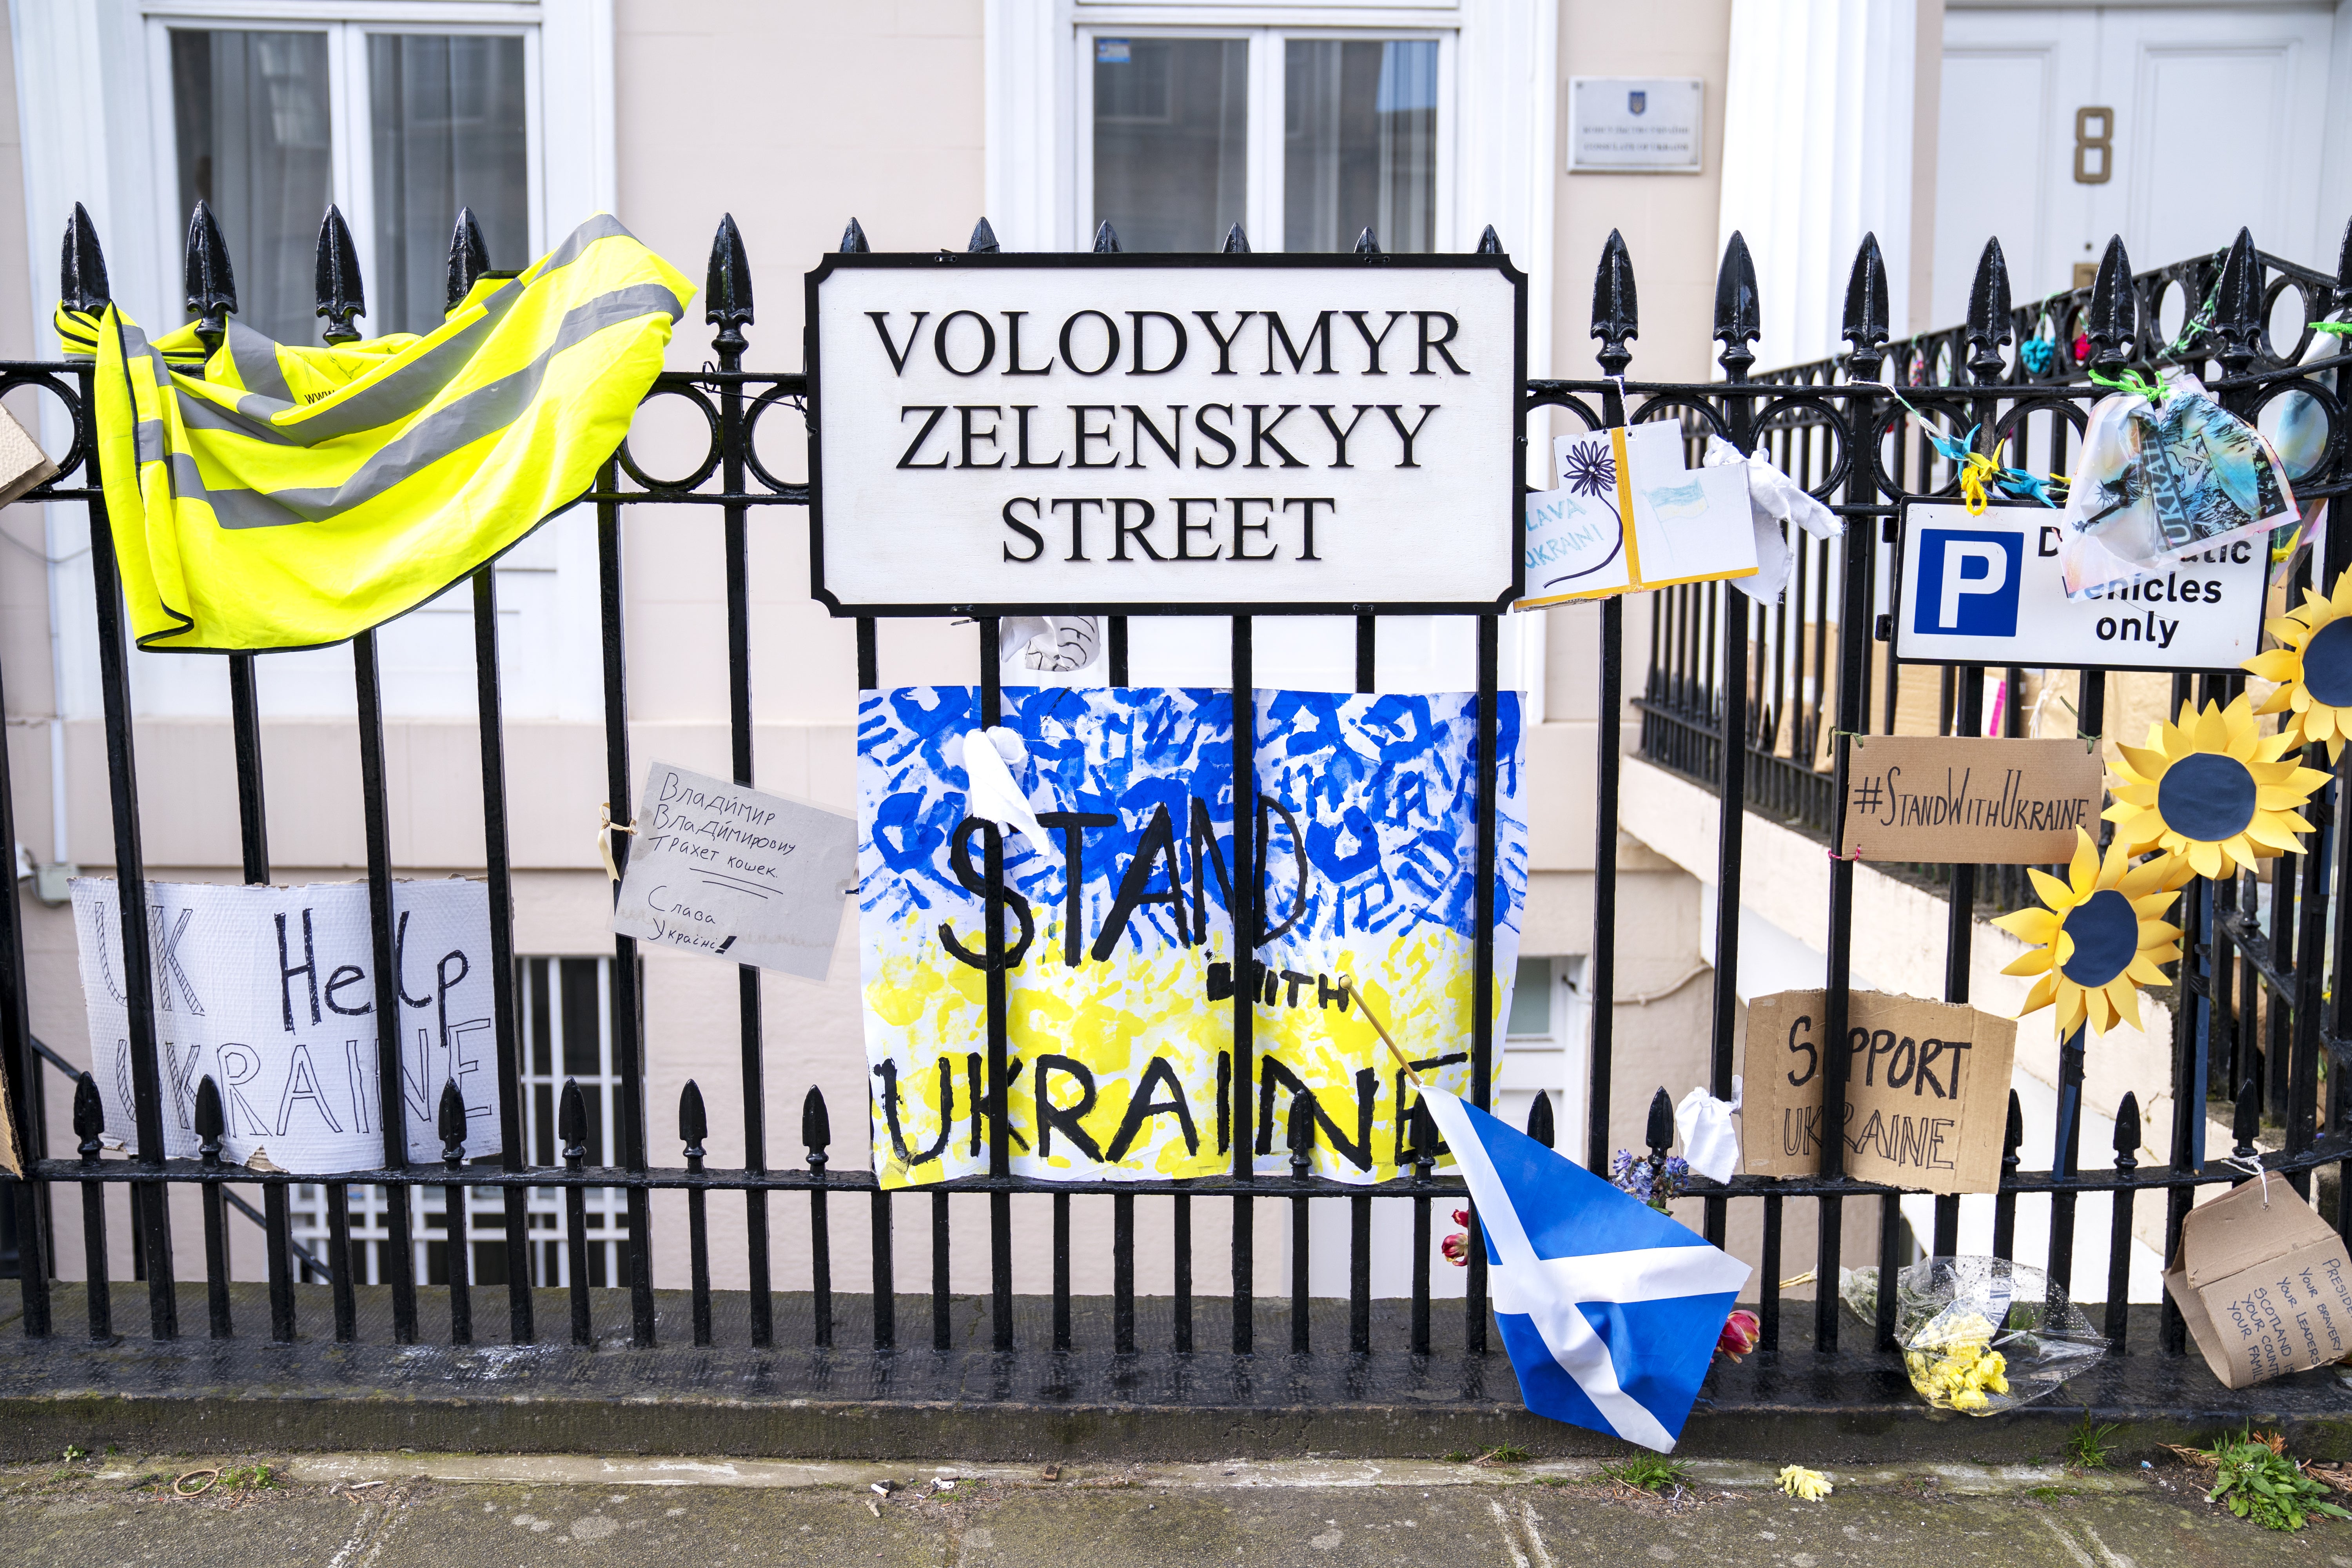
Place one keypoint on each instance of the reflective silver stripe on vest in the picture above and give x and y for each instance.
(481, 412)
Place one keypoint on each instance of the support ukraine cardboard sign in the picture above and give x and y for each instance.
(1121, 935)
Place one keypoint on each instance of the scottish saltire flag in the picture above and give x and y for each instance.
(1609, 1309)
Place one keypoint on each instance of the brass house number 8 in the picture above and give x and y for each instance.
(2095, 136)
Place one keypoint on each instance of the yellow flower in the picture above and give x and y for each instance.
(2314, 666)
(1799, 1482)
(2211, 791)
(2101, 937)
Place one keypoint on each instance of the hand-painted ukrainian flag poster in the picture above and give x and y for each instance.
(1120, 932)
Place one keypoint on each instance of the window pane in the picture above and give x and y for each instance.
(1172, 134)
(446, 122)
(1359, 144)
(249, 111)
(1531, 999)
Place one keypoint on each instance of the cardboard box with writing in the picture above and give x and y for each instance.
(2264, 1283)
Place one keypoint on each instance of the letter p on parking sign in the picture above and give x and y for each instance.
(1969, 582)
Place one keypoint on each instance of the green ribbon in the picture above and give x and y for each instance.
(2130, 381)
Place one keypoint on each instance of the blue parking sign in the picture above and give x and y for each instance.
(1968, 581)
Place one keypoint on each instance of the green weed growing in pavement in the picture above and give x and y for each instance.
(2086, 1446)
(1505, 1454)
(1645, 1473)
(2254, 1479)
(75, 1451)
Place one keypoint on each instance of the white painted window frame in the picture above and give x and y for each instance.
(95, 128)
(1263, 206)
(352, 185)
(1498, 116)
(1498, 111)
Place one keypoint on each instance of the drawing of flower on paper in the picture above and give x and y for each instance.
(1590, 470)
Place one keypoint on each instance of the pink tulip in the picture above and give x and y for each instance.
(1456, 1248)
(1740, 1333)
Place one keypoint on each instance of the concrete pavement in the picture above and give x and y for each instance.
(523, 1512)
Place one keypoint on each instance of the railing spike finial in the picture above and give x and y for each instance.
(210, 1122)
(1988, 325)
(1301, 1134)
(693, 1124)
(1540, 1127)
(2238, 305)
(2012, 1136)
(469, 257)
(2246, 1119)
(1105, 239)
(1616, 305)
(852, 239)
(1368, 243)
(571, 1125)
(2114, 324)
(816, 1127)
(1660, 1133)
(2343, 268)
(983, 239)
(1490, 243)
(82, 268)
(89, 1117)
(1736, 306)
(727, 287)
(1865, 325)
(211, 282)
(2127, 1133)
(1425, 1137)
(449, 1122)
(1236, 242)
(336, 275)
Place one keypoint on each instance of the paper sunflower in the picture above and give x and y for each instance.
(2101, 937)
(2211, 791)
(2313, 665)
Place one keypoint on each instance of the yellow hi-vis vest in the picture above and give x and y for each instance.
(293, 497)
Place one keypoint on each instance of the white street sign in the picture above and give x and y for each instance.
(1992, 590)
(1018, 433)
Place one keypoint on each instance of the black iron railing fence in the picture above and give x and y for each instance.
(1718, 674)
(2254, 1022)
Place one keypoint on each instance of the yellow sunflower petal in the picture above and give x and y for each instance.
(2206, 858)
(2036, 926)
(2083, 870)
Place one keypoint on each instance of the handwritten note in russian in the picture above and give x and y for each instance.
(735, 873)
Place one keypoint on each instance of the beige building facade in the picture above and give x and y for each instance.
(1302, 122)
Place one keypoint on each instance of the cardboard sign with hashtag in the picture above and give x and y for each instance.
(1959, 800)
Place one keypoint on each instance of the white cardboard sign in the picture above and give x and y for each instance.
(1992, 590)
(1018, 434)
(270, 992)
(730, 872)
(1689, 525)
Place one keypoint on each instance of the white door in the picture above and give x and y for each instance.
(2173, 128)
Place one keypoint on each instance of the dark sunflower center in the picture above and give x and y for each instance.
(2106, 929)
(2207, 797)
(2327, 664)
